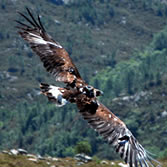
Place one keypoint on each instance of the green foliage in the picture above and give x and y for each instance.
(144, 70)
(88, 12)
(83, 147)
(69, 152)
(101, 46)
(96, 159)
(160, 40)
(163, 153)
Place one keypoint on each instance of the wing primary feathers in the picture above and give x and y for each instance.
(146, 164)
(131, 158)
(22, 24)
(126, 154)
(39, 20)
(121, 151)
(125, 150)
(27, 19)
(118, 148)
(33, 22)
(37, 25)
(140, 161)
(141, 156)
(154, 160)
(129, 155)
(21, 28)
(135, 159)
(151, 164)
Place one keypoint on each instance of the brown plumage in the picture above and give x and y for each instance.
(54, 57)
(58, 62)
(115, 132)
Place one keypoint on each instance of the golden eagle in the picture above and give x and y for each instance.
(57, 61)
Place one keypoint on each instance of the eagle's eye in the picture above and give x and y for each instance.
(71, 70)
(88, 87)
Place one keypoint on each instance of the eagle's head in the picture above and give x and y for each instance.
(90, 91)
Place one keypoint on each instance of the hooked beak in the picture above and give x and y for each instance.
(99, 93)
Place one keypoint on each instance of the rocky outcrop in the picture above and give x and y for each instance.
(83, 158)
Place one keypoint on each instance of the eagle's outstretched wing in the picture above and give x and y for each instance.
(54, 57)
(118, 135)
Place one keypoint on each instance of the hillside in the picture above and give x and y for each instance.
(26, 160)
(118, 46)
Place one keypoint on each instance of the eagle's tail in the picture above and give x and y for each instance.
(54, 94)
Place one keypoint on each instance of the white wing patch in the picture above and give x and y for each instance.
(115, 119)
(39, 40)
(56, 93)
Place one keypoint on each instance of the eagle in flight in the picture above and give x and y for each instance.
(57, 61)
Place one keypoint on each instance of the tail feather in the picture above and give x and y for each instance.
(54, 94)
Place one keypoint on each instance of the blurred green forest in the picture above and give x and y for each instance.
(118, 46)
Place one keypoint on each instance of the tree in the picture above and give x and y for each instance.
(160, 40)
(83, 147)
